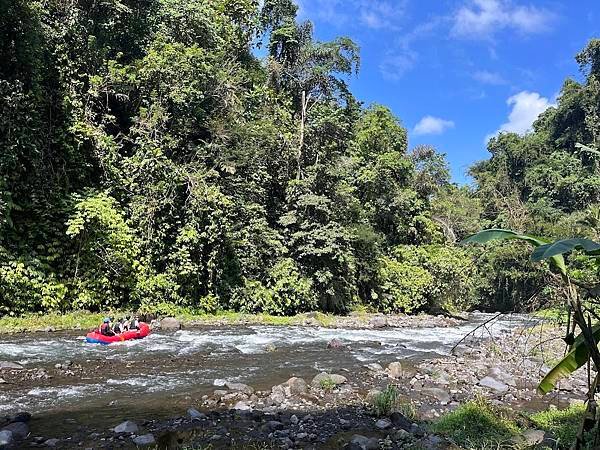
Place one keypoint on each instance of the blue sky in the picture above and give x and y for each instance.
(456, 72)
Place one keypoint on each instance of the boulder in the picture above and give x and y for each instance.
(383, 424)
(439, 394)
(9, 365)
(170, 323)
(242, 406)
(278, 395)
(239, 387)
(144, 440)
(196, 415)
(336, 344)
(6, 438)
(19, 430)
(378, 322)
(295, 386)
(400, 421)
(126, 427)
(493, 384)
(394, 370)
(374, 367)
(501, 375)
(328, 378)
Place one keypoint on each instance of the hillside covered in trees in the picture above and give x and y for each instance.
(209, 154)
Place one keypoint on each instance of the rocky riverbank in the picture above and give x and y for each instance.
(344, 409)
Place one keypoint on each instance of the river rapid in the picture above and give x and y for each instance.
(167, 372)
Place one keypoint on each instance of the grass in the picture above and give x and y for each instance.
(327, 384)
(563, 424)
(388, 401)
(477, 425)
(558, 315)
(86, 320)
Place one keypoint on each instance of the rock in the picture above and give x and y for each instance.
(439, 394)
(364, 443)
(8, 365)
(126, 427)
(400, 421)
(196, 415)
(242, 406)
(296, 386)
(51, 442)
(239, 387)
(498, 374)
(219, 382)
(170, 323)
(383, 424)
(372, 395)
(394, 370)
(328, 378)
(277, 396)
(270, 426)
(374, 367)
(20, 417)
(49, 329)
(144, 439)
(2, 381)
(6, 438)
(19, 430)
(378, 322)
(336, 344)
(493, 384)
(530, 438)
(270, 348)
(294, 419)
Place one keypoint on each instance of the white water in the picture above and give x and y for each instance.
(185, 363)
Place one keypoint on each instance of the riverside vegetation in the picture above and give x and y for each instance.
(150, 159)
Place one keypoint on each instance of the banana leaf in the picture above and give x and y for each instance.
(506, 235)
(564, 246)
(577, 357)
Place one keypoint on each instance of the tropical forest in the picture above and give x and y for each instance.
(202, 175)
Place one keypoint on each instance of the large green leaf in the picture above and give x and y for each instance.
(578, 356)
(564, 246)
(498, 234)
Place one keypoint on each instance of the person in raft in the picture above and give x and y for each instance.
(135, 323)
(105, 328)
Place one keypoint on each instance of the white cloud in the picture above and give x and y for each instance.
(486, 77)
(433, 125)
(396, 64)
(483, 18)
(525, 109)
(375, 14)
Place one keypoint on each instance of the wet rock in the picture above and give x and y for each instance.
(239, 387)
(439, 394)
(383, 424)
(6, 438)
(8, 365)
(498, 374)
(378, 322)
(295, 386)
(363, 443)
(394, 370)
(196, 415)
(374, 367)
(493, 384)
(19, 430)
(336, 344)
(51, 442)
(328, 378)
(126, 427)
(144, 440)
(271, 426)
(170, 323)
(20, 417)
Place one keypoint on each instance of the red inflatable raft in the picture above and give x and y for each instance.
(96, 338)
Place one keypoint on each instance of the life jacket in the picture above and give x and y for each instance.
(104, 329)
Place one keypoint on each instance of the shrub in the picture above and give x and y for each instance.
(285, 292)
(476, 424)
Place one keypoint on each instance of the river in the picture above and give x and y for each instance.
(166, 373)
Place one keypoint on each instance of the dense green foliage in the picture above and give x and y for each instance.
(149, 158)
